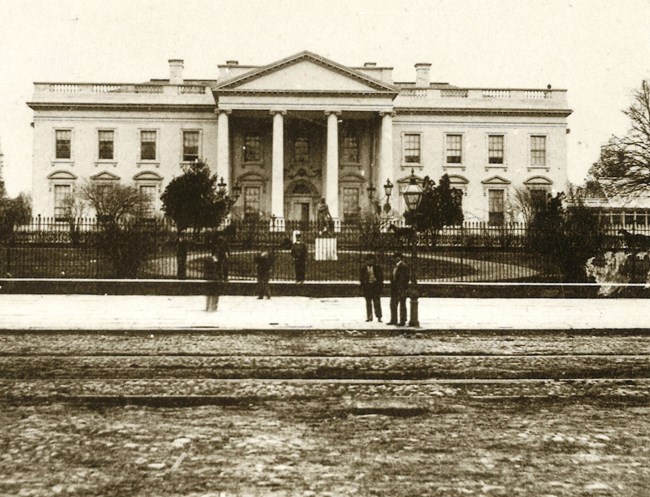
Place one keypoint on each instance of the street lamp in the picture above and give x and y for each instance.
(412, 197)
(222, 186)
(388, 189)
(371, 191)
(236, 191)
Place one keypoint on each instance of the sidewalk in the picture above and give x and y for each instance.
(121, 312)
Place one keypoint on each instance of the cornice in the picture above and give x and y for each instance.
(484, 111)
(124, 107)
(310, 93)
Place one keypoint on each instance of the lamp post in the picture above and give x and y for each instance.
(388, 189)
(412, 197)
(236, 191)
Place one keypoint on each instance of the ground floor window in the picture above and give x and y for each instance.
(149, 191)
(351, 207)
(61, 193)
(252, 196)
(496, 207)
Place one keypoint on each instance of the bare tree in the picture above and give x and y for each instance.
(625, 160)
(115, 203)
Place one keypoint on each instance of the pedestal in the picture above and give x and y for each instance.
(326, 249)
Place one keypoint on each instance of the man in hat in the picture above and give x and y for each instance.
(399, 284)
(299, 255)
(371, 278)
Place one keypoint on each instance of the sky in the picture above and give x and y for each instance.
(598, 50)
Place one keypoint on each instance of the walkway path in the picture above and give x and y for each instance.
(115, 312)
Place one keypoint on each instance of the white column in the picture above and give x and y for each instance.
(332, 167)
(223, 146)
(385, 170)
(277, 171)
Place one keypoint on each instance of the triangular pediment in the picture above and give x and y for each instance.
(306, 72)
(105, 176)
(496, 180)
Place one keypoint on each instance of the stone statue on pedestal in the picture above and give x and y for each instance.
(325, 223)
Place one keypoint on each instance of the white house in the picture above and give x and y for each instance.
(299, 129)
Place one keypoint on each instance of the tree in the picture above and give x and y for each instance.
(14, 212)
(126, 235)
(566, 236)
(528, 204)
(626, 159)
(440, 206)
(193, 199)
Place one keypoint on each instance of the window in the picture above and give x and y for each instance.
(150, 192)
(190, 146)
(538, 196)
(147, 145)
(454, 149)
(63, 143)
(538, 151)
(496, 207)
(351, 204)
(411, 148)
(350, 148)
(301, 150)
(495, 149)
(61, 192)
(251, 202)
(106, 144)
(252, 148)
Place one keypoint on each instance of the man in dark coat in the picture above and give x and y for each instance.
(299, 255)
(264, 263)
(211, 273)
(399, 284)
(371, 278)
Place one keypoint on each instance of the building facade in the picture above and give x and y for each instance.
(301, 129)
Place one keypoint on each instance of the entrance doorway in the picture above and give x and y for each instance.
(300, 205)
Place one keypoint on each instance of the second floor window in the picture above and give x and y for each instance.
(411, 148)
(301, 150)
(454, 149)
(350, 148)
(495, 149)
(252, 148)
(537, 150)
(190, 146)
(147, 145)
(106, 138)
(63, 144)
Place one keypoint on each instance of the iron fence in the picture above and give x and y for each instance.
(49, 248)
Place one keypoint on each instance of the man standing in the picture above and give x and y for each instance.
(264, 263)
(371, 278)
(299, 254)
(399, 284)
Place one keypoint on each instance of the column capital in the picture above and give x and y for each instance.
(390, 113)
(282, 112)
(223, 111)
(337, 113)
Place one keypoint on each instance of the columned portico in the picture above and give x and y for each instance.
(332, 165)
(277, 169)
(223, 145)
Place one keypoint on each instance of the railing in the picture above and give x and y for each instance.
(484, 93)
(104, 88)
(473, 252)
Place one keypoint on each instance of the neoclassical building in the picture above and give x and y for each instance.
(299, 129)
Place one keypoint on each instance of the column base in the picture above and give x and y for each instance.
(276, 224)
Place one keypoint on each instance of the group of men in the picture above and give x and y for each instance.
(371, 278)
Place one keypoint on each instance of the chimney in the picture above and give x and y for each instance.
(422, 74)
(370, 64)
(176, 71)
(232, 62)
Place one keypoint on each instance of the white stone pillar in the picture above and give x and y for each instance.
(277, 171)
(223, 146)
(332, 167)
(385, 170)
